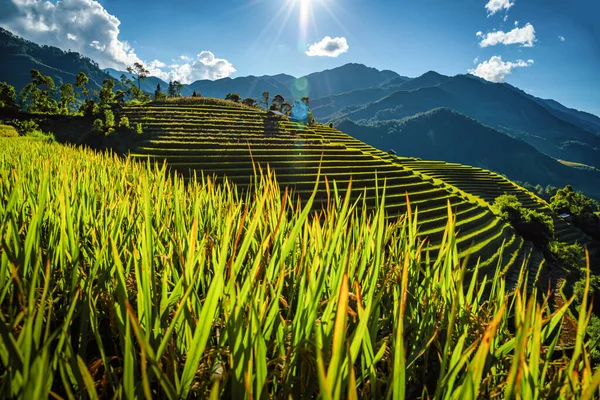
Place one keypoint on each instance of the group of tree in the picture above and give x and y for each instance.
(41, 95)
(582, 210)
(277, 103)
(532, 225)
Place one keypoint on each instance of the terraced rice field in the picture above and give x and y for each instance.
(488, 186)
(232, 142)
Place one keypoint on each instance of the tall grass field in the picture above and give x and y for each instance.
(118, 280)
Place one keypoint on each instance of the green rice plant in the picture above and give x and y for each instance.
(120, 280)
(8, 131)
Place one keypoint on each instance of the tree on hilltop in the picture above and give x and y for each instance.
(139, 73)
(235, 97)
(81, 81)
(67, 97)
(265, 99)
(158, 94)
(249, 102)
(41, 91)
(278, 101)
(106, 97)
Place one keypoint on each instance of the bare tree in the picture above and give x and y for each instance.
(139, 73)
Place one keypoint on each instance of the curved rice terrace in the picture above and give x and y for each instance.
(233, 141)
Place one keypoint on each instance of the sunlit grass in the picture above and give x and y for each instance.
(118, 280)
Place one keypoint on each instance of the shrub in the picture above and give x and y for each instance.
(90, 108)
(570, 256)
(98, 126)
(536, 226)
(109, 119)
(532, 225)
(46, 137)
(593, 294)
(138, 128)
(593, 332)
(331, 125)
(26, 128)
(124, 123)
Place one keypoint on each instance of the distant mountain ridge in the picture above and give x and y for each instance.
(342, 79)
(443, 134)
(551, 129)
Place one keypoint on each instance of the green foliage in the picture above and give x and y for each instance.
(81, 82)
(569, 256)
(593, 332)
(67, 97)
(582, 209)
(531, 224)
(109, 119)
(42, 136)
(8, 96)
(98, 126)
(31, 129)
(139, 73)
(106, 97)
(138, 128)
(572, 202)
(250, 102)
(158, 94)
(331, 125)
(8, 131)
(156, 287)
(265, 99)
(124, 123)
(235, 97)
(26, 127)
(90, 108)
(39, 94)
(175, 89)
(593, 294)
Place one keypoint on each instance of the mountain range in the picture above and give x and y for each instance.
(473, 118)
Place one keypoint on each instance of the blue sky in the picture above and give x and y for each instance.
(520, 43)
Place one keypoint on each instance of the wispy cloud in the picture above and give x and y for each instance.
(524, 36)
(494, 6)
(561, 38)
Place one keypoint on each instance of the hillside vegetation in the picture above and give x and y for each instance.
(151, 287)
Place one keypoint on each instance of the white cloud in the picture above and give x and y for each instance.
(86, 27)
(524, 36)
(328, 47)
(204, 66)
(561, 38)
(476, 60)
(496, 70)
(516, 23)
(494, 6)
(506, 18)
